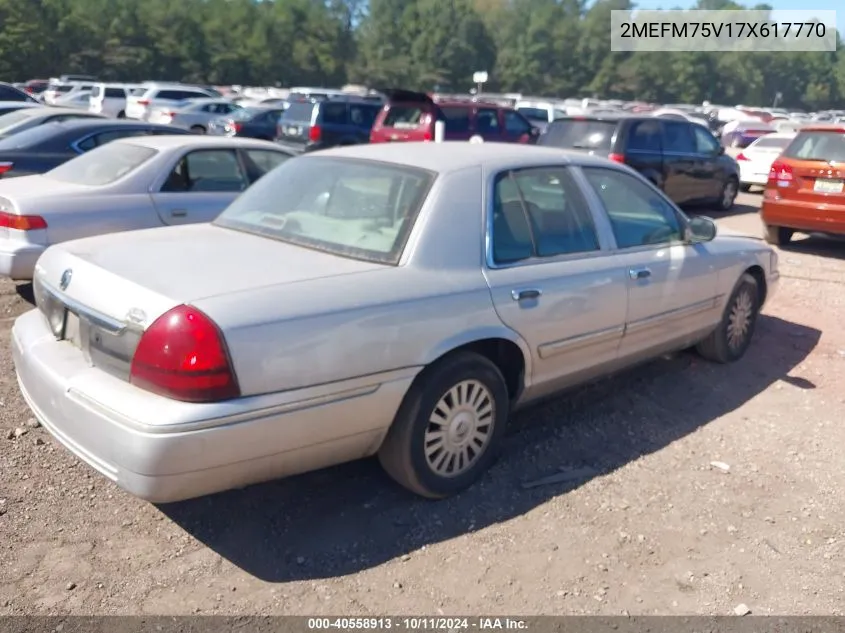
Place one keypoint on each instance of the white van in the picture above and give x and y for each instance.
(110, 99)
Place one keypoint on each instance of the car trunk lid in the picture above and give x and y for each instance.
(812, 168)
(580, 134)
(296, 124)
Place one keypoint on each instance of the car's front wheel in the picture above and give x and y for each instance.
(731, 338)
(449, 428)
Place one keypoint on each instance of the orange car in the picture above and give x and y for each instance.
(806, 187)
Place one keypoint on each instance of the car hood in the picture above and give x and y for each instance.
(192, 262)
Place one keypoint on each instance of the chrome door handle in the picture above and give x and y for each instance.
(178, 213)
(526, 293)
(639, 273)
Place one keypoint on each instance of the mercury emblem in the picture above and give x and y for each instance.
(64, 282)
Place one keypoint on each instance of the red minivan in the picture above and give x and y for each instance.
(806, 187)
(410, 116)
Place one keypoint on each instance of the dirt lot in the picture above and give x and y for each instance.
(646, 526)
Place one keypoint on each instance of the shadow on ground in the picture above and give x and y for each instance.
(717, 214)
(818, 245)
(352, 517)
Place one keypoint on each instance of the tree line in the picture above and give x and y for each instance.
(556, 48)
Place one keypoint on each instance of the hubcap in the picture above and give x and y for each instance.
(739, 320)
(459, 428)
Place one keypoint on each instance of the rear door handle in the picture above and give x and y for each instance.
(639, 273)
(178, 213)
(526, 293)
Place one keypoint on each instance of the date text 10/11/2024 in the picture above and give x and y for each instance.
(417, 623)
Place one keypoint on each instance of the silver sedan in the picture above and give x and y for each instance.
(136, 183)
(398, 300)
(193, 115)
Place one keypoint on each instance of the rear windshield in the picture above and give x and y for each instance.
(534, 114)
(351, 208)
(299, 111)
(582, 134)
(827, 146)
(31, 137)
(773, 143)
(13, 118)
(102, 165)
(404, 116)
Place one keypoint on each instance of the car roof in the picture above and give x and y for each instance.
(86, 123)
(46, 110)
(455, 155)
(21, 104)
(165, 142)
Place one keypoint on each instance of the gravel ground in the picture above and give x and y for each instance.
(645, 523)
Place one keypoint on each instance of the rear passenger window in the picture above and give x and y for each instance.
(644, 136)
(455, 119)
(363, 115)
(207, 171)
(115, 93)
(487, 121)
(334, 113)
(107, 137)
(678, 138)
(540, 213)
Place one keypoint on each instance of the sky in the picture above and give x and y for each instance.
(783, 5)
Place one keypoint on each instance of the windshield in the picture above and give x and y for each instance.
(771, 143)
(827, 146)
(102, 165)
(535, 114)
(573, 134)
(11, 119)
(352, 208)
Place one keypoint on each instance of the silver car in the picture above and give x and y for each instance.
(131, 183)
(194, 114)
(398, 299)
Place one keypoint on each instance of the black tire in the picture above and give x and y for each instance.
(778, 235)
(403, 452)
(729, 192)
(718, 346)
(197, 129)
(121, 115)
(745, 187)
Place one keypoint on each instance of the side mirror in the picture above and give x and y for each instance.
(700, 229)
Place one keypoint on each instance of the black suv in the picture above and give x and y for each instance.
(310, 125)
(682, 158)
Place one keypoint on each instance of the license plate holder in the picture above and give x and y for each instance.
(829, 185)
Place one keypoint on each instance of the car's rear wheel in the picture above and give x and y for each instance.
(745, 187)
(778, 235)
(729, 192)
(731, 338)
(121, 115)
(197, 129)
(449, 428)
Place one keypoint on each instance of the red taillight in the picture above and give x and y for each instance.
(143, 102)
(4, 167)
(781, 173)
(28, 89)
(427, 136)
(22, 222)
(617, 158)
(315, 133)
(742, 157)
(183, 356)
(237, 127)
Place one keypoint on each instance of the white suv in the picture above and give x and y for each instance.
(141, 102)
(110, 99)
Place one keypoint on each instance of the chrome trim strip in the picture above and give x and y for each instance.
(103, 321)
(671, 315)
(582, 340)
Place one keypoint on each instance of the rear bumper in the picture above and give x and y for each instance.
(17, 259)
(804, 216)
(163, 450)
